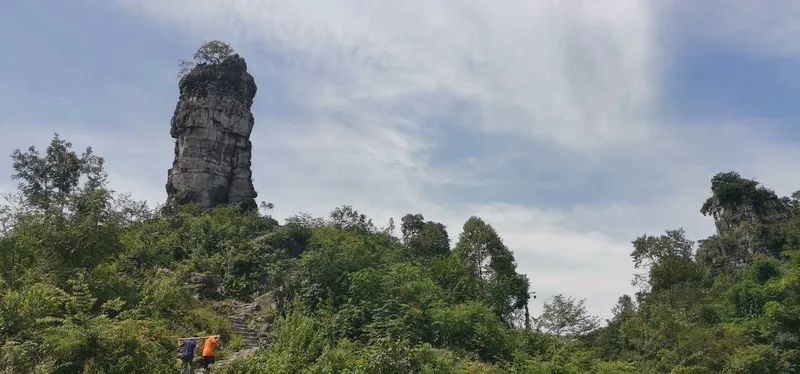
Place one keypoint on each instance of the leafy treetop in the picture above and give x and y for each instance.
(730, 189)
(564, 316)
(50, 180)
(212, 52)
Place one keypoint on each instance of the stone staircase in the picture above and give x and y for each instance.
(241, 327)
(239, 322)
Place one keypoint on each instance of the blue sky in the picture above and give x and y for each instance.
(571, 126)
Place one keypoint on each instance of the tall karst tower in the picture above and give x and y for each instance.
(211, 126)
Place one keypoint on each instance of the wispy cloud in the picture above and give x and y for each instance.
(578, 74)
(384, 77)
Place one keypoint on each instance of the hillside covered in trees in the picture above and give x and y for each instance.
(92, 281)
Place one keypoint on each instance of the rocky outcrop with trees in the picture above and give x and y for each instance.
(747, 217)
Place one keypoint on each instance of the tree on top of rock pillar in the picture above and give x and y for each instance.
(212, 52)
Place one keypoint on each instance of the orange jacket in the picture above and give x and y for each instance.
(208, 346)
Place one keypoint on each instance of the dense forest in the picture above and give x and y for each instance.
(92, 281)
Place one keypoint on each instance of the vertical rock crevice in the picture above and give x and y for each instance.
(211, 127)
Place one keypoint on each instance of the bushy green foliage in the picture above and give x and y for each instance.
(363, 302)
(424, 240)
(564, 316)
(91, 282)
(730, 189)
(733, 308)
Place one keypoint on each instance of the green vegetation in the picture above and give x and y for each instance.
(212, 52)
(92, 281)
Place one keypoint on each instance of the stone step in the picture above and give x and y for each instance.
(242, 328)
(247, 333)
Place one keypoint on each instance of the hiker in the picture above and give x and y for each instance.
(208, 349)
(186, 349)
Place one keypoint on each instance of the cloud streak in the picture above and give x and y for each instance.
(577, 74)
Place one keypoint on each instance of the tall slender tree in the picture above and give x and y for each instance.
(489, 260)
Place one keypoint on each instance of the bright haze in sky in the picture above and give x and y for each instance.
(571, 126)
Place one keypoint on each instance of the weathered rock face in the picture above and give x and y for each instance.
(732, 217)
(736, 201)
(211, 126)
(740, 233)
(743, 211)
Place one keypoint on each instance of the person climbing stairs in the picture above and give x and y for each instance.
(241, 326)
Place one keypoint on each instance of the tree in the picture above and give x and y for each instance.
(412, 225)
(49, 181)
(424, 239)
(624, 308)
(492, 263)
(566, 317)
(611, 340)
(649, 250)
(346, 217)
(211, 53)
(666, 258)
(482, 250)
